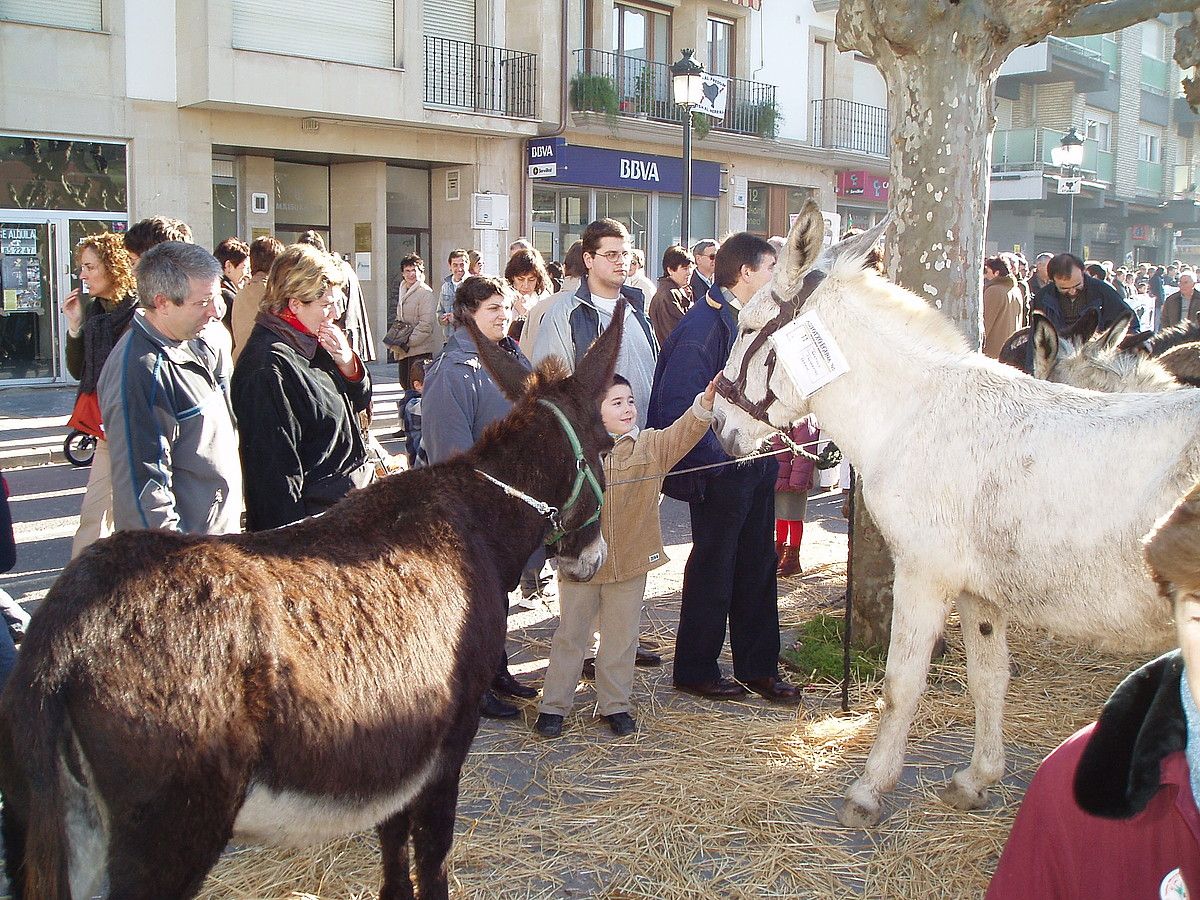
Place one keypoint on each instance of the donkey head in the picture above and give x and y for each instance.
(563, 460)
(1085, 357)
(755, 397)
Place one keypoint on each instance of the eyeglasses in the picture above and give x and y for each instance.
(615, 256)
(709, 255)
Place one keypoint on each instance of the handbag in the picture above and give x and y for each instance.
(399, 335)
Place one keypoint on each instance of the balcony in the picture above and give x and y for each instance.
(626, 86)
(1056, 60)
(473, 77)
(846, 125)
(1150, 177)
(1029, 150)
(1156, 76)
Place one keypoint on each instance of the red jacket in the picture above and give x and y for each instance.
(1131, 768)
(796, 472)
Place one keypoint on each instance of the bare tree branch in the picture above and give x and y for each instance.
(1113, 15)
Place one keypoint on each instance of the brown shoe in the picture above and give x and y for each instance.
(721, 689)
(789, 563)
(776, 690)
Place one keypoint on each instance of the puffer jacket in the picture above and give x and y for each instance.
(796, 472)
(629, 519)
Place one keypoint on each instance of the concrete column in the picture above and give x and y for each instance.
(255, 175)
(170, 165)
(358, 219)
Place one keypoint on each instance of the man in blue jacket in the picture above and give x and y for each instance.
(730, 575)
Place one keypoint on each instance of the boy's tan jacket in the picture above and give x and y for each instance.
(629, 520)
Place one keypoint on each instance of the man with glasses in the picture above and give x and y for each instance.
(1072, 292)
(574, 322)
(705, 254)
(164, 399)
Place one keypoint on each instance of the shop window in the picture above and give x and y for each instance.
(84, 14)
(702, 223)
(630, 209)
(301, 197)
(38, 173)
(719, 59)
(769, 207)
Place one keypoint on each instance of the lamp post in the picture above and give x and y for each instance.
(688, 89)
(1068, 156)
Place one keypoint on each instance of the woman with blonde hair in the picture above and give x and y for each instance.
(297, 390)
(106, 276)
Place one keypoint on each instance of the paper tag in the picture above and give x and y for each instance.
(809, 354)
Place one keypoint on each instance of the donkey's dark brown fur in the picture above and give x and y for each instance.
(304, 682)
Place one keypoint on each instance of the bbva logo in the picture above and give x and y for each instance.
(639, 170)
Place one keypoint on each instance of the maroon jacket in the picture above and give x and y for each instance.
(1110, 813)
(795, 472)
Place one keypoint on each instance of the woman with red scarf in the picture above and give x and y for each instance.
(297, 391)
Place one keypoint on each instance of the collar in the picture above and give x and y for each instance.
(631, 294)
(632, 435)
(304, 344)
(179, 352)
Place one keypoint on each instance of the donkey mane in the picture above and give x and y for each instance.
(901, 310)
(1183, 333)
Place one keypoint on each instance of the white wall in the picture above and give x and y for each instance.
(779, 41)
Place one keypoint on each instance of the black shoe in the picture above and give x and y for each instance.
(647, 658)
(548, 725)
(720, 689)
(588, 673)
(504, 683)
(621, 723)
(492, 707)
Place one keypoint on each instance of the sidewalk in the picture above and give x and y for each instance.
(33, 420)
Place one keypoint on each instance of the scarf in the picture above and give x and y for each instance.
(101, 331)
(291, 331)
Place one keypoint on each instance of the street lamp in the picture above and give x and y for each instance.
(688, 88)
(1068, 156)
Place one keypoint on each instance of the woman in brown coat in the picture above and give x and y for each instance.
(1001, 305)
(674, 295)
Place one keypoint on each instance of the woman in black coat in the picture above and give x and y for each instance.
(297, 391)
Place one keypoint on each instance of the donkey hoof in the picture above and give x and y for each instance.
(858, 814)
(960, 797)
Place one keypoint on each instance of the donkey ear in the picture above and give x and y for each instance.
(1084, 329)
(802, 249)
(1111, 339)
(508, 374)
(861, 245)
(1045, 346)
(595, 370)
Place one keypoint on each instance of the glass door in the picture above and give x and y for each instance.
(28, 310)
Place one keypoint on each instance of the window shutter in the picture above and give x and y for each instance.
(359, 32)
(62, 13)
(453, 19)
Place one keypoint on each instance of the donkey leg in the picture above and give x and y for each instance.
(433, 833)
(393, 846)
(985, 638)
(918, 614)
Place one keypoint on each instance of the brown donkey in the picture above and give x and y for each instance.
(175, 692)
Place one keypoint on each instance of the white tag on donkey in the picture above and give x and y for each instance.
(810, 355)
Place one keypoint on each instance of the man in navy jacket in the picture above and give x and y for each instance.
(730, 575)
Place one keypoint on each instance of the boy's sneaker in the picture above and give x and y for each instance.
(548, 725)
(621, 723)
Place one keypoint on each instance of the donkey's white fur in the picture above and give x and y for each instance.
(1097, 362)
(1019, 499)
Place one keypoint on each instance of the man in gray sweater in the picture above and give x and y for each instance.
(164, 399)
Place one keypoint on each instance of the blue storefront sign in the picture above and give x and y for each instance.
(555, 161)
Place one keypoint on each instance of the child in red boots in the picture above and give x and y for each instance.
(791, 495)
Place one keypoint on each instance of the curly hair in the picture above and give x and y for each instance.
(111, 250)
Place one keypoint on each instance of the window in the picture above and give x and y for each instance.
(1149, 146)
(1153, 39)
(44, 173)
(1099, 128)
(719, 60)
(301, 198)
(83, 14)
(641, 33)
(769, 207)
(307, 28)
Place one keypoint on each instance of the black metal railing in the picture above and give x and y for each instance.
(617, 85)
(482, 79)
(846, 125)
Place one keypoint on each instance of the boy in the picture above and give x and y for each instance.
(411, 413)
(613, 598)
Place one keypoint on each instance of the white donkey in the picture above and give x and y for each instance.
(1034, 514)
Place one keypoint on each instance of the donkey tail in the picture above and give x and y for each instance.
(34, 815)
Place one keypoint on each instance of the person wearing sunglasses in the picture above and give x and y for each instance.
(705, 254)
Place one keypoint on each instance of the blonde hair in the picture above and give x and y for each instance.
(110, 248)
(300, 272)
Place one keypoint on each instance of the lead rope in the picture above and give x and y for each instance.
(797, 449)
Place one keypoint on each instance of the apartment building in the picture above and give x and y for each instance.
(1120, 91)
(394, 126)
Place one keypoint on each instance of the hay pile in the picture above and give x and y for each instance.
(732, 801)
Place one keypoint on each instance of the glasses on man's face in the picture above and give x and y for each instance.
(616, 256)
(709, 255)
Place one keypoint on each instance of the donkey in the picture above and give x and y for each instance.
(175, 692)
(1096, 360)
(1022, 522)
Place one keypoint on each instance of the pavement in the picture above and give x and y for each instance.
(33, 420)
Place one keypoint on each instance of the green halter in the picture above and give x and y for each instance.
(583, 474)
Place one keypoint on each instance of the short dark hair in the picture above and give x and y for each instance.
(598, 231)
(527, 262)
(416, 372)
(155, 230)
(1097, 271)
(1062, 265)
(620, 380)
(412, 260)
(231, 250)
(676, 256)
(263, 251)
(313, 239)
(997, 264)
(573, 261)
(456, 253)
(742, 249)
(472, 292)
